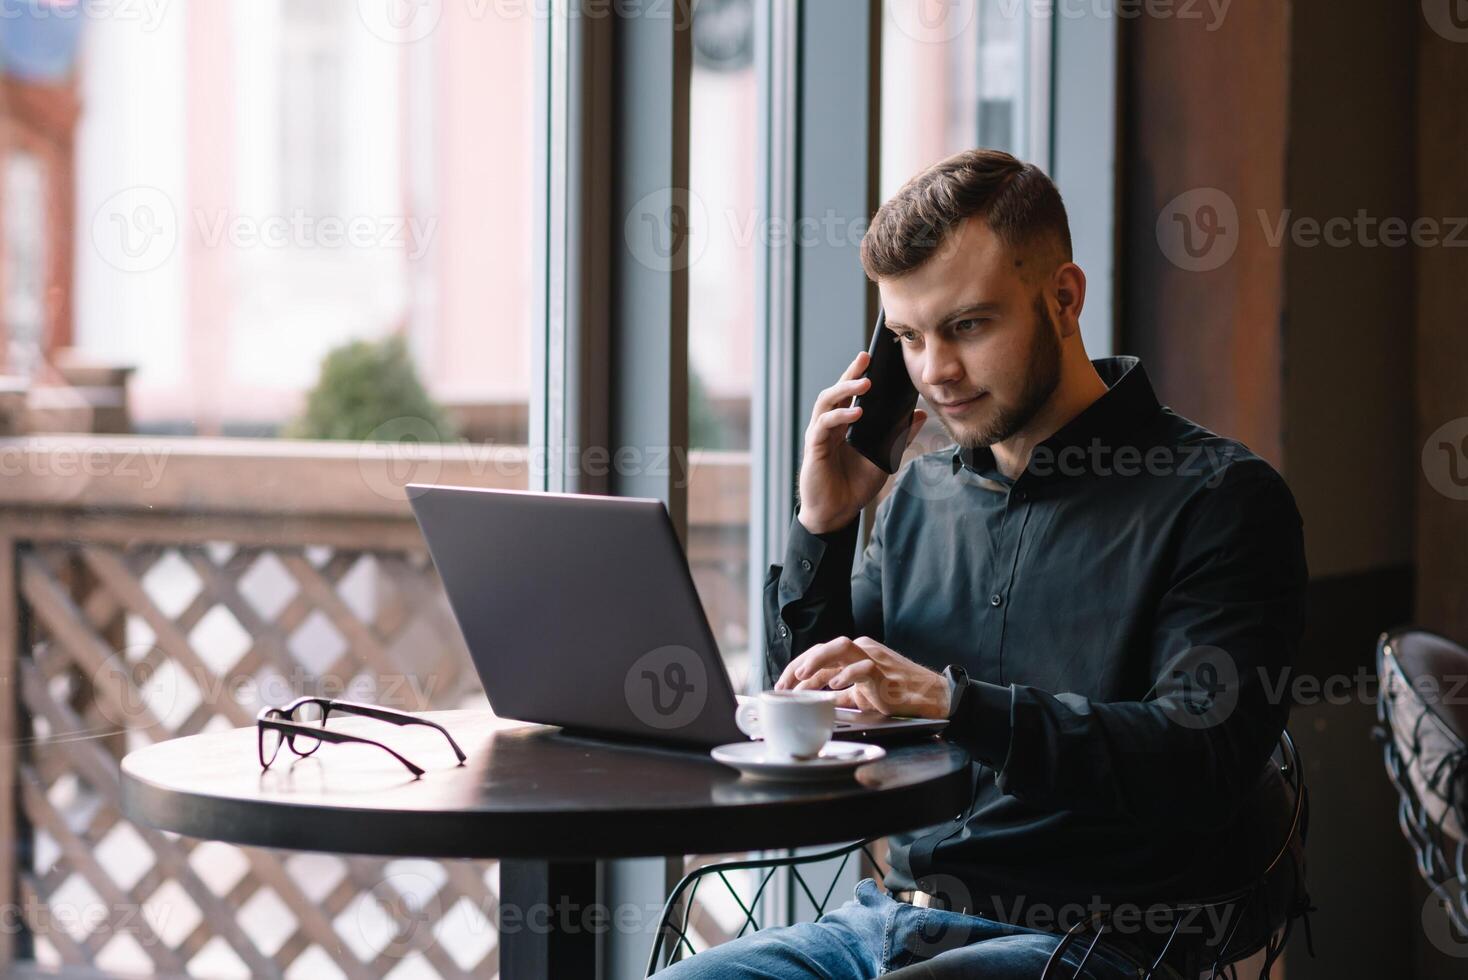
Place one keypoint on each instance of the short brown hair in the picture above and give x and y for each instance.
(1015, 199)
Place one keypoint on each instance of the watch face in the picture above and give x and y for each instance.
(957, 678)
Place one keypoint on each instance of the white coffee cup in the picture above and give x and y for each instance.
(794, 724)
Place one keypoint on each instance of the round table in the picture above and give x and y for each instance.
(547, 804)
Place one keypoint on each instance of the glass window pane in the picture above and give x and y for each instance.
(260, 183)
(253, 254)
(724, 115)
(958, 74)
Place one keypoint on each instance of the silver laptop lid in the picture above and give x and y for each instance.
(579, 611)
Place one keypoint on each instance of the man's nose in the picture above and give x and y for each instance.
(941, 365)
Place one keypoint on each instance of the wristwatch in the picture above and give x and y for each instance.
(957, 679)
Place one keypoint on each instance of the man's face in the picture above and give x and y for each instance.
(978, 340)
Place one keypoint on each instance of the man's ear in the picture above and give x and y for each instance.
(1069, 284)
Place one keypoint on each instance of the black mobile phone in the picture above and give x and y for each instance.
(880, 431)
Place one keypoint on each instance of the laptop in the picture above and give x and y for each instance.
(580, 611)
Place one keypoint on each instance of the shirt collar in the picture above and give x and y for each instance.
(1129, 401)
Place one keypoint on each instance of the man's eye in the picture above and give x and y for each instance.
(907, 336)
(967, 326)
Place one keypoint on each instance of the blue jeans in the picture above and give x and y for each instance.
(874, 935)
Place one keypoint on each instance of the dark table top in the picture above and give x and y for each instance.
(527, 791)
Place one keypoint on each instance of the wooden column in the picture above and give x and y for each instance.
(1441, 362)
(1442, 335)
(40, 120)
(1202, 111)
(1280, 116)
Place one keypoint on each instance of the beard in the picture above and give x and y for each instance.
(1041, 380)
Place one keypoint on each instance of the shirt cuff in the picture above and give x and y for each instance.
(810, 557)
(982, 722)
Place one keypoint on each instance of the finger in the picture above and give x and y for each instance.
(799, 667)
(830, 425)
(787, 676)
(857, 366)
(878, 651)
(857, 698)
(831, 654)
(857, 673)
(864, 701)
(818, 680)
(839, 394)
(833, 660)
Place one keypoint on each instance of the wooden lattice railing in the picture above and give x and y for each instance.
(140, 602)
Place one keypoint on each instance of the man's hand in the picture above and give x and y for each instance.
(868, 676)
(836, 481)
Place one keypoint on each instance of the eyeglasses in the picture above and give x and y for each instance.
(302, 725)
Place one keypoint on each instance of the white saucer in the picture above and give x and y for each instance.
(837, 759)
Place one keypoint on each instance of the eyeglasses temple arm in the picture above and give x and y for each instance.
(327, 735)
(395, 718)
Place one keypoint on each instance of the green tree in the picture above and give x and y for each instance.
(705, 431)
(365, 384)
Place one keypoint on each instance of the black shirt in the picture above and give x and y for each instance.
(1125, 610)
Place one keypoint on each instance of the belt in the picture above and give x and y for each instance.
(919, 899)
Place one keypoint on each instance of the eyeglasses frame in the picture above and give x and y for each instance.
(279, 719)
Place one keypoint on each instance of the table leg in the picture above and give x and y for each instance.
(543, 919)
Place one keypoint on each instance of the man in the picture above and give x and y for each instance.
(1101, 595)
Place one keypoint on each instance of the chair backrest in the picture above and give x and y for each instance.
(678, 923)
(1258, 914)
(1423, 727)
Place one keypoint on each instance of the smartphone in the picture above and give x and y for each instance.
(880, 431)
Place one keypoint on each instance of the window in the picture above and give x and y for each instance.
(959, 75)
(1021, 76)
(956, 76)
(303, 244)
(724, 116)
(303, 178)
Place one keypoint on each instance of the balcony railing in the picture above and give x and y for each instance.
(152, 588)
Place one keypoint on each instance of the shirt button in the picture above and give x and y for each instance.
(996, 600)
(1021, 495)
(805, 564)
(783, 630)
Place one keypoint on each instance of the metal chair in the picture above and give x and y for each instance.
(1284, 871)
(674, 938)
(1260, 948)
(1423, 731)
